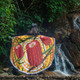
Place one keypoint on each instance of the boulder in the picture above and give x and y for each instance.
(75, 37)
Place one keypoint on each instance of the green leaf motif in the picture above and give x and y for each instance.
(48, 49)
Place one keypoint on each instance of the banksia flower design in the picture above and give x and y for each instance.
(45, 40)
(19, 51)
(34, 53)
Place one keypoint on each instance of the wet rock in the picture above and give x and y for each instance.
(5, 69)
(73, 48)
(4, 74)
(61, 34)
(52, 74)
(1, 71)
(22, 75)
(75, 37)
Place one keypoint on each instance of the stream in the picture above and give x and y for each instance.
(62, 63)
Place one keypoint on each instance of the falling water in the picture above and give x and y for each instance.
(76, 24)
(62, 63)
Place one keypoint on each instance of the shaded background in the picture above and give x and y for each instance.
(54, 18)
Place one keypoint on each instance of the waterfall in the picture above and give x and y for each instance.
(62, 63)
(76, 23)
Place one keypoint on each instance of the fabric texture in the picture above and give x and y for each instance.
(32, 56)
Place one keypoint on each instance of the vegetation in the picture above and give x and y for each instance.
(17, 16)
(7, 21)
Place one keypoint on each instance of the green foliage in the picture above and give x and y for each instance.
(50, 9)
(24, 21)
(36, 11)
(27, 12)
(7, 21)
(70, 4)
(55, 9)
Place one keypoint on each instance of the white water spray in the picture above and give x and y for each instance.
(61, 62)
(76, 24)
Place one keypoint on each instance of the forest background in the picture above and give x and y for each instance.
(16, 17)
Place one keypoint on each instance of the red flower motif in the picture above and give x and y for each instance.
(45, 40)
(19, 51)
(34, 53)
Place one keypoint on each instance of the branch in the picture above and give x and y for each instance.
(30, 5)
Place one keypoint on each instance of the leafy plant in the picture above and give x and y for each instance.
(24, 22)
(7, 21)
(50, 9)
(55, 9)
(27, 12)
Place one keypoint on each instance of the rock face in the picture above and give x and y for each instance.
(70, 38)
(75, 37)
(73, 48)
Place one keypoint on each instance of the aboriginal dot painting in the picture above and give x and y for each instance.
(32, 55)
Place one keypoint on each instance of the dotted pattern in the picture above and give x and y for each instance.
(22, 64)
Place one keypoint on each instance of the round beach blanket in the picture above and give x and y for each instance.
(32, 55)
